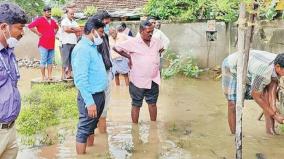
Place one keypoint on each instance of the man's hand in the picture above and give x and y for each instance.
(92, 111)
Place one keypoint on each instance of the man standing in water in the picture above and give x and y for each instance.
(264, 71)
(104, 50)
(45, 28)
(90, 78)
(12, 22)
(143, 53)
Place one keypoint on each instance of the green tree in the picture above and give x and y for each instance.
(32, 7)
(193, 10)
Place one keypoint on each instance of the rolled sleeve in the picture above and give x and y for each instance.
(124, 46)
(80, 64)
(33, 24)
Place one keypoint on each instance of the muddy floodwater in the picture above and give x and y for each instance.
(192, 124)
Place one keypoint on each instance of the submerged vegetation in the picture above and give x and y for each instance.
(46, 106)
(180, 65)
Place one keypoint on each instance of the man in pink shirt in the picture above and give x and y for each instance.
(45, 27)
(143, 53)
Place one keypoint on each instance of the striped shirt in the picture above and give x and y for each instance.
(260, 68)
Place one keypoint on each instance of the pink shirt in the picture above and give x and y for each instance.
(145, 61)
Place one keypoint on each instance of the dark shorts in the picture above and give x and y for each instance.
(66, 51)
(137, 94)
(87, 125)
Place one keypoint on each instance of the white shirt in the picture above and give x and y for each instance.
(68, 38)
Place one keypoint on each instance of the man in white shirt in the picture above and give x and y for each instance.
(69, 39)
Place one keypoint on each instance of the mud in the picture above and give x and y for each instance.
(192, 124)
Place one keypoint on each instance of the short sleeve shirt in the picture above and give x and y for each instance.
(47, 30)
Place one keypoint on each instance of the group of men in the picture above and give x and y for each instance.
(92, 70)
(47, 28)
(91, 65)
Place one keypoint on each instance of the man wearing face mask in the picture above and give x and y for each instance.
(90, 78)
(12, 22)
(104, 49)
(45, 27)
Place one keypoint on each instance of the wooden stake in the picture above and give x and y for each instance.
(245, 35)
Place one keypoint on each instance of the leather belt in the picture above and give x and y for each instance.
(7, 126)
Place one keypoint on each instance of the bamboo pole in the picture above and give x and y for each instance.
(245, 34)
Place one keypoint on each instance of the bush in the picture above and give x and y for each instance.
(90, 11)
(57, 12)
(193, 10)
(178, 64)
(45, 106)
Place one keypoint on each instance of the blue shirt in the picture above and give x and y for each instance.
(10, 100)
(89, 72)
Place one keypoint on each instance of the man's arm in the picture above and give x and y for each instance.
(124, 54)
(34, 30)
(272, 94)
(71, 29)
(265, 95)
(33, 27)
(263, 103)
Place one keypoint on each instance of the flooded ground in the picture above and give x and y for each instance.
(192, 124)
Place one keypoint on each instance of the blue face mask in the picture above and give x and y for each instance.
(106, 29)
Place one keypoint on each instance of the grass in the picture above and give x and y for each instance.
(46, 106)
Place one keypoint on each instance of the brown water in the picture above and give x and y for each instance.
(191, 124)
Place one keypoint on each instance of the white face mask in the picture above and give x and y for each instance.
(11, 41)
(97, 40)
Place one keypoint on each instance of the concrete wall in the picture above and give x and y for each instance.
(28, 46)
(190, 38)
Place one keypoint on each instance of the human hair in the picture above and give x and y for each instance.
(47, 8)
(279, 60)
(91, 24)
(12, 14)
(102, 15)
(123, 24)
(151, 18)
(144, 24)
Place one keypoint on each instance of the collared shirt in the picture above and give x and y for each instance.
(112, 42)
(145, 61)
(68, 38)
(260, 68)
(90, 75)
(10, 100)
(47, 30)
(158, 34)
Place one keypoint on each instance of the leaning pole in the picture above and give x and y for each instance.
(245, 34)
